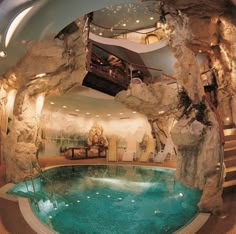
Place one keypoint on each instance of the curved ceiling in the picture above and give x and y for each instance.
(45, 17)
(49, 17)
(89, 103)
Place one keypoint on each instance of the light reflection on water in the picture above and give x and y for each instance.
(111, 199)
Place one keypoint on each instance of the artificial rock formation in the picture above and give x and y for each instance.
(149, 99)
(199, 146)
(20, 143)
(54, 66)
(198, 150)
(157, 101)
(50, 66)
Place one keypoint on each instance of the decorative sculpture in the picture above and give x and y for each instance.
(96, 137)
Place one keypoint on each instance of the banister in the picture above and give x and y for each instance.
(221, 131)
(218, 118)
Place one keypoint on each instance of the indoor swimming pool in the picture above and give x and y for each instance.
(110, 199)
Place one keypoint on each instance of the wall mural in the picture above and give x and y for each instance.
(80, 138)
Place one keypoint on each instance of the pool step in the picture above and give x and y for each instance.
(230, 157)
(31, 195)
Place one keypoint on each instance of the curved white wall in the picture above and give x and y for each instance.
(46, 17)
(130, 45)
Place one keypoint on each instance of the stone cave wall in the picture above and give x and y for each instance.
(50, 66)
(63, 64)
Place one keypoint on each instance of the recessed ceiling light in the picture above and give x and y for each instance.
(3, 54)
(87, 113)
(134, 112)
(123, 25)
(100, 34)
(64, 106)
(108, 114)
(77, 110)
(200, 51)
(121, 113)
(137, 21)
(52, 103)
(151, 18)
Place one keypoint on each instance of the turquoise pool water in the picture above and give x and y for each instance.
(109, 199)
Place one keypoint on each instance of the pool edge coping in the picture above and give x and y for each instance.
(33, 221)
(40, 228)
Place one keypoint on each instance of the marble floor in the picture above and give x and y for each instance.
(12, 222)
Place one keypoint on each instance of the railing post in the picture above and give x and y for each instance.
(89, 56)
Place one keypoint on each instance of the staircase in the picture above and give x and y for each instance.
(230, 156)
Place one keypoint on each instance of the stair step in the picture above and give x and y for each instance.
(230, 152)
(230, 161)
(230, 134)
(228, 126)
(231, 169)
(229, 183)
(229, 137)
(230, 176)
(230, 144)
(231, 131)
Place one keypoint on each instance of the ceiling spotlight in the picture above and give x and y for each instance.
(100, 34)
(64, 107)
(121, 113)
(52, 103)
(123, 25)
(3, 54)
(200, 51)
(137, 21)
(108, 114)
(77, 110)
(151, 18)
(87, 113)
(161, 112)
(134, 112)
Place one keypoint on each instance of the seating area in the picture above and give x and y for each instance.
(84, 152)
